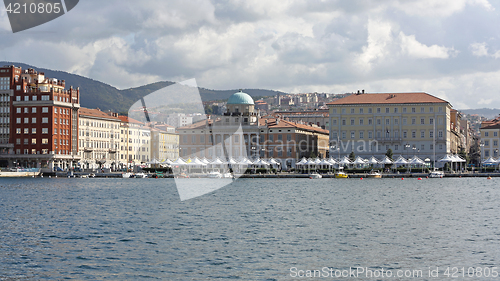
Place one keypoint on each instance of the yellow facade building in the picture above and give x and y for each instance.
(407, 123)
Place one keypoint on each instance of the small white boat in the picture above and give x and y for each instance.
(141, 175)
(215, 175)
(436, 174)
(227, 175)
(315, 176)
(127, 175)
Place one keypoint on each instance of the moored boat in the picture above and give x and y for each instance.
(31, 172)
(436, 174)
(374, 174)
(315, 176)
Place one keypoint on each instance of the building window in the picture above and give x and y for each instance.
(495, 134)
(334, 111)
(26, 120)
(395, 110)
(370, 122)
(352, 122)
(387, 121)
(26, 141)
(343, 122)
(486, 134)
(45, 141)
(353, 134)
(404, 109)
(405, 134)
(378, 109)
(361, 135)
(280, 137)
(422, 110)
(422, 121)
(431, 109)
(26, 131)
(334, 122)
(343, 135)
(18, 131)
(361, 111)
(361, 121)
(370, 134)
(18, 120)
(440, 109)
(352, 110)
(396, 147)
(422, 134)
(18, 110)
(422, 147)
(413, 110)
(343, 110)
(18, 141)
(431, 134)
(486, 143)
(396, 121)
(486, 153)
(386, 110)
(289, 137)
(440, 134)
(431, 121)
(370, 110)
(33, 130)
(33, 141)
(379, 122)
(33, 120)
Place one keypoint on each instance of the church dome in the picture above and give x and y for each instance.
(240, 98)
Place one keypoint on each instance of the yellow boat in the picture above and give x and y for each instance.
(341, 175)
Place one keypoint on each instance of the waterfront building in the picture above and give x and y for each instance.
(135, 142)
(43, 121)
(407, 123)
(288, 141)
(99, 139)
(490, 138)
(8, 76)
(164, 142)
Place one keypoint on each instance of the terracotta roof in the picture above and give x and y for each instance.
(325, 113)
(271, 123)
(95, 113)
(126, 119)
(388, 98)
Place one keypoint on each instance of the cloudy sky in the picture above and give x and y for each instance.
(448, 48)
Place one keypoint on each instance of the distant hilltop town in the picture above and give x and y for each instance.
(43, 125)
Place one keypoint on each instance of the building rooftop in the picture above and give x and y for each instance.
(240, 98)
(96, 113)
(388, 98)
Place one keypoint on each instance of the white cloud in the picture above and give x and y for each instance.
(379, 37)
(412, 47)
(479, 49)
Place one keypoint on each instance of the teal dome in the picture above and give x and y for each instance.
(240, 98)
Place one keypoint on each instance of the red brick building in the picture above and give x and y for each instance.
(43, 121)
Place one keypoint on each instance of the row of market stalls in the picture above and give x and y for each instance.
(238, 165)
(455, 163)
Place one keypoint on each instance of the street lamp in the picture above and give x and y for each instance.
(481, 145)
(407, 146)
(414, 149)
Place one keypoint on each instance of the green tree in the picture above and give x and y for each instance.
(462, 153)
(389, 153)
(312, 155)
(352, 156)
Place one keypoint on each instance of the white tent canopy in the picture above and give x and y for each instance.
(416, 161)
(490, 161)
(359, 161)
(345, 161)
(401, 161)
(386, 161)
(373, 160)
(446, 158)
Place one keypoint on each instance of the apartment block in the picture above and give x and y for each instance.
(135, 142)
(490, 138)
(99, 139)
(43, 122)
(407, 123)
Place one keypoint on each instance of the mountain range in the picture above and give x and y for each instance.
(96, 94)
